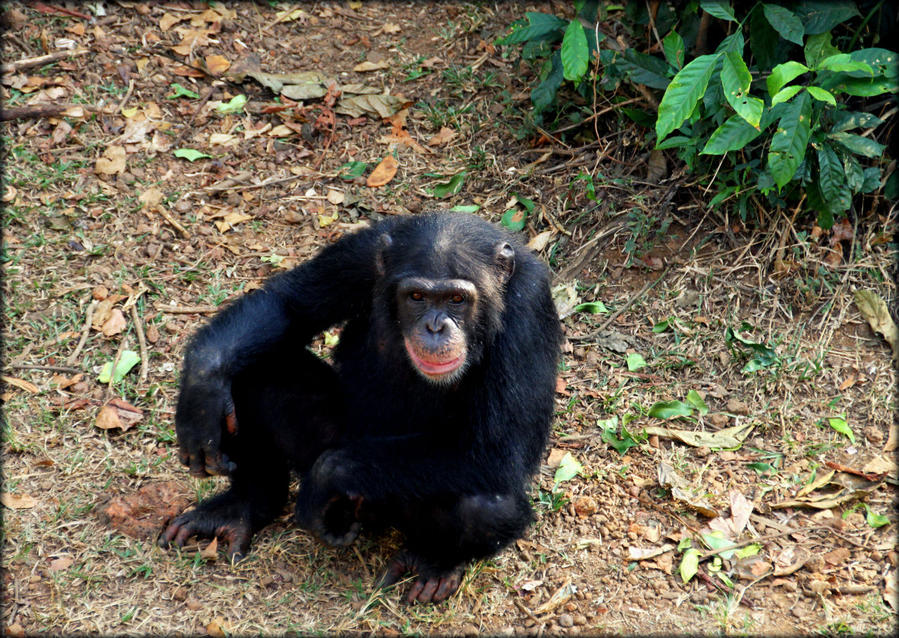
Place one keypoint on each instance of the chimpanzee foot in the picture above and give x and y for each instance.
(214, 518)
(337, 523)
(432, 586)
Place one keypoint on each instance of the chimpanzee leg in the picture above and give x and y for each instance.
(441, 537)
(288, 411)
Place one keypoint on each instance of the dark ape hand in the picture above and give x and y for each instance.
(205, 415)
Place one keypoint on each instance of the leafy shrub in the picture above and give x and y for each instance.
(784, 113)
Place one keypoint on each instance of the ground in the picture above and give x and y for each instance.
(109, 236)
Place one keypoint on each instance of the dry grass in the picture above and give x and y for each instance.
(68, 231)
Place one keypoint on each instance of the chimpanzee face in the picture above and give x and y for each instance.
(436, 316)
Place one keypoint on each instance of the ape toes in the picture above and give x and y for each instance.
(436, 589)
(341, 540)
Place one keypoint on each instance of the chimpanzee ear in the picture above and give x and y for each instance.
(505, 259)
(384, 243)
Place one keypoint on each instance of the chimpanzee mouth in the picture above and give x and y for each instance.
(434, 368)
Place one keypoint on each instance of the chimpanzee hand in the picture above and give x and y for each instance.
(205, 415)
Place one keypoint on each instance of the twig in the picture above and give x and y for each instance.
(188, 310)
(190, 122)
(127, 96)
(174, 222)
(40, 110)
(142, 342)
(115, 364)
(84, 333)
(35, 366)
(646, 288)
(763, 539)
(27, 63)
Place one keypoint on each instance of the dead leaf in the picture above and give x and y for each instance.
(218, 628)
(881, 465)
(115, 324)
(874, 309)
(28, 386)
(682, 491)
(108, 418)
(217, 64)
(143, 513)
(381, 106)
(555, 457)
(151, 197)
(443, 136)
(16, 501)
(390, 27)
(363, 67)
(561, 596)
(891, 591)
(335, 196)
(222, 139)
(383, 172)
(112, 162)
(231, 220)
(211, 551)
(727, 438)
(539, 242)
(644, 553)
(61, 563)
(167, 21)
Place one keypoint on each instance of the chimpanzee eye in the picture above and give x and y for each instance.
(416, 296)
(457, 299)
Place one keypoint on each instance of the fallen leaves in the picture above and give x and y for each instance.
(15, 501)
(142, 514)
(118, 414)
(383, 173)
(112, 162)
(874, 309)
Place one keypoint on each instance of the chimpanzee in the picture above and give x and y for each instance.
(430, 418)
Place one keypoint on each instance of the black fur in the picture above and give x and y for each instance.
(376, 444)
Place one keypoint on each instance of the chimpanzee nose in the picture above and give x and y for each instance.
(436, 322)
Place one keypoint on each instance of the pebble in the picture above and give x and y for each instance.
(566, 620)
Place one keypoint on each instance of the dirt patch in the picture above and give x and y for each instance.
(98, 207)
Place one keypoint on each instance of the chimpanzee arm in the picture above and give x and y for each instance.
(291, 308)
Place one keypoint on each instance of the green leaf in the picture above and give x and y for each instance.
(749, 550)
(352, 170)
(784, 22)
(717, 540)
(635, 361)
(882, 61)
(569, 467)
(783, 74)
(610, 437)
(234, 105)
(818, 47)
(676, 141)
(855, 177)
(843, 63)
(540, 25)
(180, 91)
(696, 401)
(682, 94)
(514, 219)
(789, 142)
(819, 16)
(592, 307)
(873, 519)
(762, 468)
(848, 120)
(575, 56)
(689, 564)
(127, 360)
(872, 179)
(453, 186)
(644, 69)
(470, 208)
(858, 144)
(786, 94)
(718, 9)
(670, 410)
(832, 181)
(840, 425)
(733, 135)
(190, 154)
(529, 204)
(735, 81)
(673, 46)
(544, 93)
(821, 95)
(662, 326)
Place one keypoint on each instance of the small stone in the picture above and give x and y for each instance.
(566, 620)
(580, 619)
(193, 604)
(736, 406)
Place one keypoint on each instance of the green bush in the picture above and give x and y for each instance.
(785, 112)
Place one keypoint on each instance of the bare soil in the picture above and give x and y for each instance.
(146, 250)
